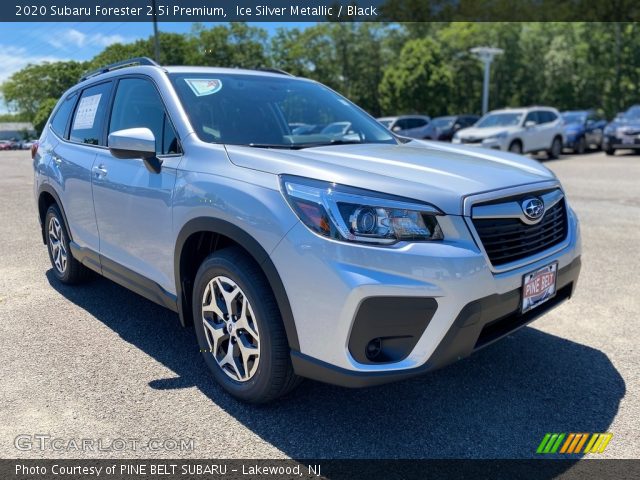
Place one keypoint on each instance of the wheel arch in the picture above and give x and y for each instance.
(203, 235)
(519, 141)
(47, 196)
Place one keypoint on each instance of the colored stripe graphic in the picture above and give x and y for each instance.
(567, 443)
(596, 443)
(543, 443)
(593, 439)
(581, 443)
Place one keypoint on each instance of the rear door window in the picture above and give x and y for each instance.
(88, 121)
(60, 119)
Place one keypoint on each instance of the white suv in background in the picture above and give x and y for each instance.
(518, 130)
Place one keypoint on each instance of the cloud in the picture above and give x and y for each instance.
(72, 38)
(14, 58)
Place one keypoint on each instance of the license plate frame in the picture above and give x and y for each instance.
(538, 287)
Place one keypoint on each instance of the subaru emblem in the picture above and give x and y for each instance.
(533, 208)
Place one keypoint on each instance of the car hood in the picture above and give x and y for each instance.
(486, 132)
(441, 174)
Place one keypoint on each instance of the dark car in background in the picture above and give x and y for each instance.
(583, 130)
(414, 126)
(623, 132)
(443, 128)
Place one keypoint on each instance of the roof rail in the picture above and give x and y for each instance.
(274, 70)
(115, 66)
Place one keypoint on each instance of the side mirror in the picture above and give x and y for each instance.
(457, 127)
(396, 129)
(529, 124)
(135, 143)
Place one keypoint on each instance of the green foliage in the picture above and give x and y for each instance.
(419, 80)
(43, 113)
(26, 89)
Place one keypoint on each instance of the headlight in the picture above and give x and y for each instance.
(355, 215)
(610, 130)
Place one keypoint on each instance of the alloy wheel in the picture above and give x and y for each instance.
(230, 328)
(56, 244)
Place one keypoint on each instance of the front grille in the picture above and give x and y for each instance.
(471, 140)
(508, 239)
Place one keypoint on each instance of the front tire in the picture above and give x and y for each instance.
(516, 147)
(556, 149)
(610, 151)
(240, 329)
(65, 267)
(582, 146)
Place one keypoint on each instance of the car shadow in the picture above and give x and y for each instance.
(498, 403)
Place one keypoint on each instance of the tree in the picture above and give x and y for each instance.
(28, 88)
(237, 45)
(43, 113)
(419, 81)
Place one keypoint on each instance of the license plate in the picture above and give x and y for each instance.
(539, 286)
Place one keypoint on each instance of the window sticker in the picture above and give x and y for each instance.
(204, 86)
(86, 114)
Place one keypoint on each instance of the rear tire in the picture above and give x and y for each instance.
(582, 146)
(610, 151)
(240, 329)
(556, 149)
(65, 267)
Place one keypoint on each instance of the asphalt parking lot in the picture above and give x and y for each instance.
(100, 362)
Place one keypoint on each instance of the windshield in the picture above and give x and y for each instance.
(499, 120)
(272, 112)
(574, 117)
(632, 114)
(386, 123)
(443, 122)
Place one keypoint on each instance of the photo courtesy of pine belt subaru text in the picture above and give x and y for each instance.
(296, 234)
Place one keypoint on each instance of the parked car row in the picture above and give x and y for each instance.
(527, 130)
(15, 145)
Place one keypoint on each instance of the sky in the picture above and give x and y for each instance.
(24, 43)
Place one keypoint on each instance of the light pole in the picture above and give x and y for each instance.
(486, 55)
(156, 40)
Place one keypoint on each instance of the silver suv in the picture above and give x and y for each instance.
(353, 257)
(518, 130)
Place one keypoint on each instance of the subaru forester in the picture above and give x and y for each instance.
(351, 256)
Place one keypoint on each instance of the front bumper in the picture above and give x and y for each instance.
(571, 141)
(328, 282)
(613, 141)
(479, 324)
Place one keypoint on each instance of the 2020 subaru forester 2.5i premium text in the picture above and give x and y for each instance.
(354, 258)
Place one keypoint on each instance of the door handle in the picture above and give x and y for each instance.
(57, 160)
(100, 171)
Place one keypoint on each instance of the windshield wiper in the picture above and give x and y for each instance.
(337, 141)
(269, 145)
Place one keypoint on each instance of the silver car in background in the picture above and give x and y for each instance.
(352, 257)
(517, 130)
(413, 126)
